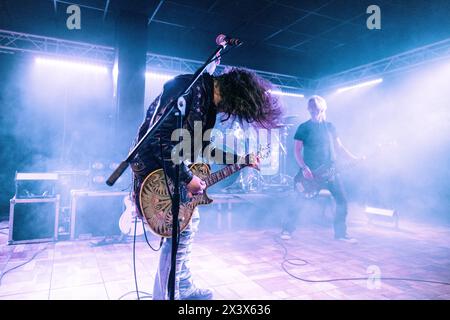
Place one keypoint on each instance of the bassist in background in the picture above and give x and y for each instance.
(316, 144)
(237, 93)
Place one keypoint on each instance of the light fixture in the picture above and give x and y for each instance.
(70, 64)
(287, 94)
(159, 76)
(360, 85)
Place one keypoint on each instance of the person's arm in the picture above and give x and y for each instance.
(344, 151)
(298, 146)
(339, 146)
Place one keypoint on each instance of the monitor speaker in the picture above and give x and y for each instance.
(96, 213)
(33, 220)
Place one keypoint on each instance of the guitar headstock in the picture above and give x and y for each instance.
(263, 152)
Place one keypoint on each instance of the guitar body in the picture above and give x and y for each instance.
(128, 222)
(156, 205)
(310, 188)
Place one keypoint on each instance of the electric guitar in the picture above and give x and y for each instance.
(309, 188)
(128, 222)
(155, 200)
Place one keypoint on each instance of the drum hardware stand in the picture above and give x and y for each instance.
(281, 179)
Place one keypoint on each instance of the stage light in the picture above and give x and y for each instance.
(71, 65)
(115, 75)
(98, 165)
(99, 179)
(159, 76)
(382, 214)
(363, 84)
(113, 165)
(287, 94)
(115, 72)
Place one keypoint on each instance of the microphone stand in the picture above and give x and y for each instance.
(169, 107)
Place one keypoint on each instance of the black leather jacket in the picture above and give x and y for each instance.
(199, 107)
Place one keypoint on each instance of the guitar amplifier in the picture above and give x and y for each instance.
(95, 213)
(35, 185)
(33, 220)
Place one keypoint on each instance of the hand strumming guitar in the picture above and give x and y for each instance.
(195, 186)
(307, 173)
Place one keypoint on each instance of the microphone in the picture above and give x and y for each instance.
(223, 40)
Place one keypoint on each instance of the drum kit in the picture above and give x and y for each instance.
(272, 175)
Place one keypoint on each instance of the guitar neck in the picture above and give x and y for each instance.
(223, 173)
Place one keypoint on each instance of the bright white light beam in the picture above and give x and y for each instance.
(159, 76)
(363, 84)
(287, 94)
(70, 64)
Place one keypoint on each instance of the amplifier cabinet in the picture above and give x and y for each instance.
(95, 213)
(33, 220)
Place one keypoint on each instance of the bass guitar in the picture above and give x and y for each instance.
(309, 188)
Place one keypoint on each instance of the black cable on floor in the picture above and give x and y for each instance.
(18, 266)
(305, 262)
(134, 260)
(146, 239)
(147, 295)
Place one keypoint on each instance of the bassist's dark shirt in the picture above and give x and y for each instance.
(316, 138)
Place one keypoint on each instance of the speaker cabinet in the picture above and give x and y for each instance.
(95, 213)
(33, 220)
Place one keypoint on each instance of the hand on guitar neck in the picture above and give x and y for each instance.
(253, 161)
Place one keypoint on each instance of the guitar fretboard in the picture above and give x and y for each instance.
(223, 173)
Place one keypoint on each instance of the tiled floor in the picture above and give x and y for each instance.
(244, 264)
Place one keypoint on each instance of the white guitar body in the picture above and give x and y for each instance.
(129, 220)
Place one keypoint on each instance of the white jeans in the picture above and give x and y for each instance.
(183, 278)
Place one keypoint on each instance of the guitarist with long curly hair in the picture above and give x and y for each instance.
(237, 93)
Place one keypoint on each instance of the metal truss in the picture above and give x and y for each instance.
(11, 41)
(403, 62)
(161, 63)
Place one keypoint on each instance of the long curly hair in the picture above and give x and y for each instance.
(246, 96)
